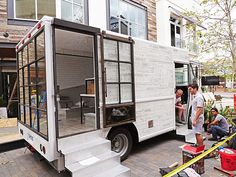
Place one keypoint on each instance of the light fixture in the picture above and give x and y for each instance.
(6, 34)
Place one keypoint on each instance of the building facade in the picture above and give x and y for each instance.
(161, 21)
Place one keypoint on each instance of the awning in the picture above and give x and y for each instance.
(181, 14)
(7, 50)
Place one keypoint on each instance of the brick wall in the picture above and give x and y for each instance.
(151, 11)
(15, 32)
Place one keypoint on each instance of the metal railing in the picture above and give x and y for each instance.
(180, 43)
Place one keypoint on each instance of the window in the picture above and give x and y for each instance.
(119, 92)
(32, 82)
(181, 74)
(34, 9)
(175, 30)
(128, 18)
(73, 10)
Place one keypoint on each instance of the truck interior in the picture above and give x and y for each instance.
(75, 86)
(182, 80)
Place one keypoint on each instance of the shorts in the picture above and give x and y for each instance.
(198, 128)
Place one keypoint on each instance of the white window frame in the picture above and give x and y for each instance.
(126, 20)
(31, 22)
(74, 3)
(176, 24)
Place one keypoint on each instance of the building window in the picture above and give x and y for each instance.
(34, 9)
(73, 10)
(128, 18)
(175, 30)
(32, 82)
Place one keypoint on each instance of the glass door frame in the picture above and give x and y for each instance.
(83, 29)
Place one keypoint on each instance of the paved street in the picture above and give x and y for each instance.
(145, 160)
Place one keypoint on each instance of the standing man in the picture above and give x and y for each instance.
(218, 127)
(197, 114)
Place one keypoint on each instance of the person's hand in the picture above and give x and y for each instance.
(194, 122)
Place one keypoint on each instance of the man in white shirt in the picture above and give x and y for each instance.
(197, 114)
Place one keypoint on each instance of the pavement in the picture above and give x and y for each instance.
(144, 161)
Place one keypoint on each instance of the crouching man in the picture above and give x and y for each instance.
(218, 127)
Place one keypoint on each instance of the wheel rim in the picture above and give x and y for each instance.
(119, 144)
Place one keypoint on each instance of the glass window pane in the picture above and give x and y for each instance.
(133, 14)
(142, 17)
(114, 8)
(126, 93)
(25, 9)
(21, 95)
(123, 10)
(134, 30)
(81, 2)
(125, 55)
(42, 97)
(25, 56)
(41, 71)
(27, 115)
(66, 10)
(124, 26)
(111, 71)
(31, 51)
(142, 32)
(125, 72)
(110, 50)
(26, 76)
(32, 74)
(34, 117)
(119, 114)
(114, 24)
(46, 7)
(78, 14)
(33, 97)
(181, 75)
(22, 113)
(20, 59)
(40, 45)
(26, 96)
(20, 77)
(112, 94)
(43, 122)
(126, 18)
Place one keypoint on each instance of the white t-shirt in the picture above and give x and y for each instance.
(198, 101)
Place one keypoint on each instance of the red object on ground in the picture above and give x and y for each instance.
(228, 161)
(193, 149)
(234, 101)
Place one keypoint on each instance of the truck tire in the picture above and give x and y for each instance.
(121, 142)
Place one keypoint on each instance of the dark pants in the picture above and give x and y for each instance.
(217, 131)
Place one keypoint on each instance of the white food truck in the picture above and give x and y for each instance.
(84, 92)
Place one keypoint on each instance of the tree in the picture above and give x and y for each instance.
(217, 43)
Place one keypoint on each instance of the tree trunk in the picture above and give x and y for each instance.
(234, 72)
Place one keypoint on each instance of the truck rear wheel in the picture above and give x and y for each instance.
(121, 142)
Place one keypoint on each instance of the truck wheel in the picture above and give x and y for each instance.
(121, 142)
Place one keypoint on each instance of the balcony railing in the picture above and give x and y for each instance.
(180, 43)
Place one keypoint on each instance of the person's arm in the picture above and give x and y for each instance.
(199, 111)
(214, 122)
